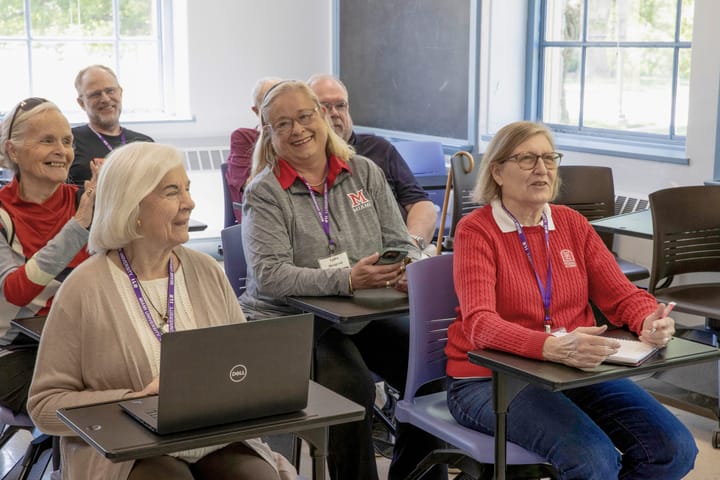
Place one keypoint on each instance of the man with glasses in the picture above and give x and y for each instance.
(415, 205)
(242, 144)
(100, 95)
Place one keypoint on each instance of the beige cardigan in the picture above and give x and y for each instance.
(89, 353)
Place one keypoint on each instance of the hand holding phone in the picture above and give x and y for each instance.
(391, 255)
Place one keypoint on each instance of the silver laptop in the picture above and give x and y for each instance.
(229, 373)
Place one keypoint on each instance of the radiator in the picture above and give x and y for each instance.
(627, 204)
(205, 158)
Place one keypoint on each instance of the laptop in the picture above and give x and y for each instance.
(229, 373)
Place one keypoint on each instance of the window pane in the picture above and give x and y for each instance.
(140, 72)
(137, 18)
(628, 89)
(56, 64)
(563, 20)
(631, 20)
(683, 93)
(12, 20)
(15, 86)
(686, 20)
(67, 18)
(562, 86)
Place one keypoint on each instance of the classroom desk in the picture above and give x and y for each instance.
(113, 433)
(30, 326)
(365, 305)
(636, 224)
(512, 373)
(196, 226)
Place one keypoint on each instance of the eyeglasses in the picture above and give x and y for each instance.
(340, 107)
(528, 160)
(285, 125)
(26, 105)
(110, 91)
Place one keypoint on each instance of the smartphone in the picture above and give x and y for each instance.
(391, 255)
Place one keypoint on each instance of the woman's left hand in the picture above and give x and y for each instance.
(87, 201)
(658, 328)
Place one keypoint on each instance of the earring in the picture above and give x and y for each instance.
(139, 223)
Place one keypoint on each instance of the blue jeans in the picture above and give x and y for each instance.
(609, 430)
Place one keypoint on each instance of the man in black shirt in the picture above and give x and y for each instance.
(100, 95)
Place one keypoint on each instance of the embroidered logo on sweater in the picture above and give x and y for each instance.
(359, 200)
(568, 258)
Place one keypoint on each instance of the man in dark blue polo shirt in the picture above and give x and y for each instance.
(417, 209)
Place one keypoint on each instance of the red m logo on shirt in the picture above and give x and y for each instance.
(358, 199)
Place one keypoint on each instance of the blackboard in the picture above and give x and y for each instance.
(410, 65)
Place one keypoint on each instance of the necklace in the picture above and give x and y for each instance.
(163, 316)
(320, 182)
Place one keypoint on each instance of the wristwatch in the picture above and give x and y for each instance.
(419, 240)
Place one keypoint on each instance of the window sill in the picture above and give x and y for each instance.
(657, 151)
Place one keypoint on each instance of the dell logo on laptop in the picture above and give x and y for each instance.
(238, 373)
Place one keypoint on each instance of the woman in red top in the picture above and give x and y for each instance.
(43, 231)
(525, 270)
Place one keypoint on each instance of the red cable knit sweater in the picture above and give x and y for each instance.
(500, 303)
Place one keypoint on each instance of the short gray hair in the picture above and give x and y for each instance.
(261, 88)
(505, 141)
(128, 175)
(81, 74)
(19, 126)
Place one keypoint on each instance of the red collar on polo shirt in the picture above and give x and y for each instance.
(287, 175)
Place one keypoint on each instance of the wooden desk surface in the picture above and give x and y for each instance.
(118, 437)
(636, 224)
(365, 305)
(554, 376)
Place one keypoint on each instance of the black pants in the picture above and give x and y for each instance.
(343, 363)
(16, 370)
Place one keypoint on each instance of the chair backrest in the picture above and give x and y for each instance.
(464, 174)
(229, 214)
(234, 257)
(589, 190)
(686, 231)
(432, 309)
(423, 158)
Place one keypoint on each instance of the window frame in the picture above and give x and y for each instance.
(163, 43)
(668, 147)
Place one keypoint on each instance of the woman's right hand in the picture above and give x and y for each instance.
(581, 348)
(151, 388)
(365, 274)
(87, 200)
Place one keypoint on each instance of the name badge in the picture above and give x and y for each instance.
(340, 260)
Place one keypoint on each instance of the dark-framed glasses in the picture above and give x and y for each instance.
(285, 125)
(339, 107)
(26, 105)
(528, 160)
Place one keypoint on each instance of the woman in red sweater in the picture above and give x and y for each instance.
(43, 231)
(525, 269)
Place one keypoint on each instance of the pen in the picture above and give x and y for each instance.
(666, 312)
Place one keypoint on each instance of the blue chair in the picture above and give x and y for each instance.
(432, 310)
(234, 257)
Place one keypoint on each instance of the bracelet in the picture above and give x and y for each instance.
(350, 283)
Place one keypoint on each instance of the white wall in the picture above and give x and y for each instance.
(232, 43)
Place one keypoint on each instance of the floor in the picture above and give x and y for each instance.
(707, 465)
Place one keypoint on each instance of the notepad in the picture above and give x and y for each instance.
(631, 352)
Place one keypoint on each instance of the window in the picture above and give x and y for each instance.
(44, 43)
(615, 68)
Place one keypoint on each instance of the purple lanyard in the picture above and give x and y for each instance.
(324, 214)
(141, 300)
(104, 140)
(546, 291)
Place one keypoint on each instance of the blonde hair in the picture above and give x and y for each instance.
(265, 155)
(19, 126)
(505, 141)
(128, 175)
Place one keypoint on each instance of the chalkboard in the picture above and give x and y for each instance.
(410, 65)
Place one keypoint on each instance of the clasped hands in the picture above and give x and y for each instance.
(365, 274)
(585, 348)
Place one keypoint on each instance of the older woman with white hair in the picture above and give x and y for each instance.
(43, 231)
(103, 343)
